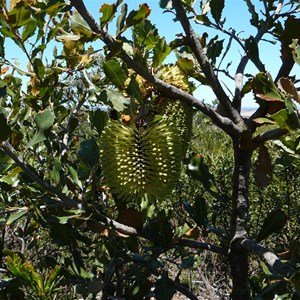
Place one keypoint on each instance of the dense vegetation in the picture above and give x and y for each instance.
(117, 183)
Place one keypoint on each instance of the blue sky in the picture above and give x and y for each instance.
(237, 16)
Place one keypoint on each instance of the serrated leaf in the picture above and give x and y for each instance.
(216, 7)
(273, 223)
(160, 52)
(264, 88)
(114, 99)
(252, 51)
(115, 72)
(254, 16)
(263, 167)
(136, 16)
(108, 12)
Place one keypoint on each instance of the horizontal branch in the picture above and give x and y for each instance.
(224, 123)
(269, 257)
(273, 134)
(200, 245)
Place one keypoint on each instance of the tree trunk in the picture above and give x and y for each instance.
(238, 255)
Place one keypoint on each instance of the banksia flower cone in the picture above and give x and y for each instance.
(138, 161)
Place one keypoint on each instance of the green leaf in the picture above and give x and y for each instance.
(115, 72)
(16, 215)
(198, 170)
(98, 119)
(74, 176)
(167, 4)
(145, 33)
(19, 16)
(121, 19)
(115, 99)
(254, 20)
(12, 178)
(89, 153)
(2, 49)
(29, 29)
(44, 120)
(57, 168)
(253, 53)
(108, 12)
(164, 287)
(216, 7)
(80, 26)
(161, 51)
(39, 67)
(136, 16)
(5, 131)
(273, 223)
(264, 88)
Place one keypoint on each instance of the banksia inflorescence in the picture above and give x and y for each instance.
(142, 158)
(138, 161)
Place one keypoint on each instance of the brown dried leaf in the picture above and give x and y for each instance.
(263, 167)
(287, 86)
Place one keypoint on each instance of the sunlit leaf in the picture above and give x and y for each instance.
(296, 51)
(161, 51)
(29, 29)
(108, 12)
(136, 16)
(264, 88)
(44, 120)
(287, 86)
(13, 217)
(115, 72)
(115, 99)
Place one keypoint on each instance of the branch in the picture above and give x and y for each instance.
(269, 257)
(239, 75)
(200, 245)
(206, 67)
(270, 135)
(184, 291)
(9, 150)
(224, 123)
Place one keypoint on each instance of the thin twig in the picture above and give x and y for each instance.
(200, 245)
(206, 67)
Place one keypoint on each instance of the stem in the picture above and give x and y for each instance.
(238, 255)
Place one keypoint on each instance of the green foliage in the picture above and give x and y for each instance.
(95, 200)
